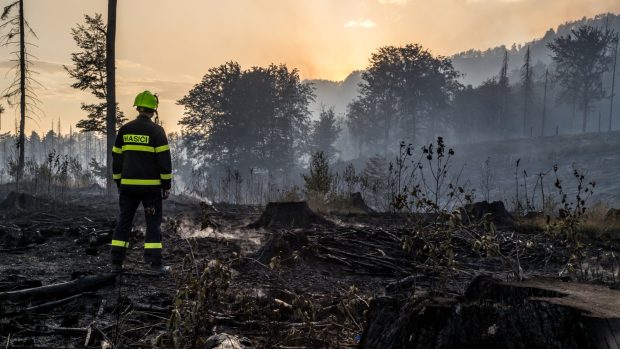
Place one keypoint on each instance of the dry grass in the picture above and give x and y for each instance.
(594, 224)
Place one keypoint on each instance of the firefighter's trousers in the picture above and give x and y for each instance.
(129, 203)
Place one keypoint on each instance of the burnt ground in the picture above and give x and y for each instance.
(279, 287)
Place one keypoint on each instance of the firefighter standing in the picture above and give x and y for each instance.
(142, 171)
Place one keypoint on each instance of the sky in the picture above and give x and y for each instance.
(166, 46)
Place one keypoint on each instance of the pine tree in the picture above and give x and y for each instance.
(90, 73)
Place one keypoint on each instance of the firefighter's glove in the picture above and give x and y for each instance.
(165, 193)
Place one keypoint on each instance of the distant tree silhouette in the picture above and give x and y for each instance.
(90, 73)
(403, 89)
(503, 85)
(256, 118)
(359, 124)
(477, 111)
(325, 131)
(581, 58)
(527, 85)
(612, 95)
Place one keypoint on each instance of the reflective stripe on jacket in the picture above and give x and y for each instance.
(141, 157)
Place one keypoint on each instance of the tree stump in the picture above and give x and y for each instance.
(613, 215)
(537, 313)
(288, 215)
(282, 245)
(353, 204)
(497, 210)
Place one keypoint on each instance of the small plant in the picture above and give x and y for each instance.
(197, 296)
(487, 179)
(318, 181)
(432, 198)
(571, 217)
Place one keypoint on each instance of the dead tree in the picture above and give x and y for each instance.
(20, 91)
(111, 89)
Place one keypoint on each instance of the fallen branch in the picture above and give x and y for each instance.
(54, 304)
(80, 285)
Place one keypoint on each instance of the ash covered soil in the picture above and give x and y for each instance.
(327, 283)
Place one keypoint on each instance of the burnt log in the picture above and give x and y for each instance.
(288, 215)
(18, 284)
(537, 313)
(61, 290)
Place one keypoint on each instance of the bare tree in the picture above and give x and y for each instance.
(504, 87)
(544, 110)
(111, 89)
(20, 91)
(613, 83)
(527, 85)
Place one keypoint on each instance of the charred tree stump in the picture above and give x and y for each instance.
(354, 204)
(288, 215)
(497, 210)
(493, 314)
(613, 215)
(282, 245)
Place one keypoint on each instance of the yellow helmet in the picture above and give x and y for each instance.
(147, 100)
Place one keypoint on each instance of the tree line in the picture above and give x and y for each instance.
(241, 119)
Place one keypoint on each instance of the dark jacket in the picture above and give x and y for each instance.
(141, 157)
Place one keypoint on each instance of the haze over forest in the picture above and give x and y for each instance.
(273, 122)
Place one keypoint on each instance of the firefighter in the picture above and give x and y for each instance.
(142, 170)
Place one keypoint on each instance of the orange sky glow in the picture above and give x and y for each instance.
(166, 46)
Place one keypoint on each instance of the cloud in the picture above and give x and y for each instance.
(393, 2)
(477, 1)
(37, 66)
(171, 90)
(360, 22)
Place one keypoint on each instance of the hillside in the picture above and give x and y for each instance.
(476, 65)
(596, 155)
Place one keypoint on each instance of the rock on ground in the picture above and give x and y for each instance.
(226, 341)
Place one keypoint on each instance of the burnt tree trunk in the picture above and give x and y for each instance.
(22, 93)
(111, 92)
